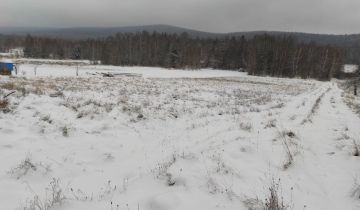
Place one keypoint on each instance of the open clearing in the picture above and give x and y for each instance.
(170, 139)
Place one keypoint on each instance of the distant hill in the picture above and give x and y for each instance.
(98, 32)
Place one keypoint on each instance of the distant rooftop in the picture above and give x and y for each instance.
(6, 61)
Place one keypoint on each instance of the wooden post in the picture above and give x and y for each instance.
(355, 88)
(16, 68)
(35, 69)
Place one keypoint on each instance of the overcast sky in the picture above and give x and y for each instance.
(318, 16)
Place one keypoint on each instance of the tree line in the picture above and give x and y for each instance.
(281, 56)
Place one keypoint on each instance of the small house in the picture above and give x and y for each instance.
(350, 68)
(6, 67)
(348, 71)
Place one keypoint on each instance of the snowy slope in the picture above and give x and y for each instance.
(174, 139)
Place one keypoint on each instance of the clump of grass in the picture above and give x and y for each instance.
(27, 166)
(162, 169)
(38, 91)
(246, 126)
(8, 85)
(271, 124)
(56, 94)
(254, 109)
(287, 141)
(278, 106)
(4, 104)
(170, 180)
(274, 200)
(355, 192)
(289, 161)
(253, 204)
(23, 168)
(356, 149)
(47, 119)
(56, 198)
(65, 131)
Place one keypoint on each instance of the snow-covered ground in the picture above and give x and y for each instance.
(146, 72)
(51, 61)
(174, 139)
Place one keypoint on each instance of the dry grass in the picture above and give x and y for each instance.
(288, 138)
(23, 168)
(28, 165)
(353, 103)
(4, 103)
(55, 197)
(348, 97)
(26, 86)
(144, 99)
(355, 192)
(274, 200)
(246, 126)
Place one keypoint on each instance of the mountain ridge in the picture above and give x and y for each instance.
(100, 32)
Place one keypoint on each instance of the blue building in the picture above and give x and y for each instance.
(6, 67)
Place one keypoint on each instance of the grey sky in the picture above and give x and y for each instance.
(318, 16)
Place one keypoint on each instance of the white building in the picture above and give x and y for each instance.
(17, 52)
(350, 68)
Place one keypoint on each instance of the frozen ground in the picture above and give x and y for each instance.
(172, 139)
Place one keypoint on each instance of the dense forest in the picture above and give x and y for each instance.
(9, 42)
(282, 56)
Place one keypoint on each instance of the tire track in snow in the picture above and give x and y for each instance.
(324, 170)
(315, 107)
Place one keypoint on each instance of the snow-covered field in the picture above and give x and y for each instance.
(174, 139)
(30, 71)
